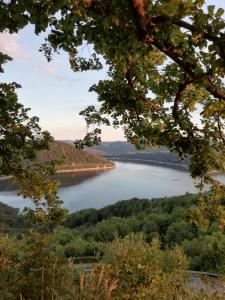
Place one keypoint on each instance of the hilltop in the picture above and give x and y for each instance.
(73, 158)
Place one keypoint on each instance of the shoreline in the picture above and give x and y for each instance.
(152, 162)
(85, 169)
(137, 161)
(2, 178)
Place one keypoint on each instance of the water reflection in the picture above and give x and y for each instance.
(70, 179)
(97, 189)
(65, 179)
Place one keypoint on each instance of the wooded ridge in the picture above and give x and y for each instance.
(71, 158)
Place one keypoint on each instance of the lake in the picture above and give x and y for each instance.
(125, 181)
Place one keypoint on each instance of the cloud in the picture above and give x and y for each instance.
(9, 44)
(50, 69)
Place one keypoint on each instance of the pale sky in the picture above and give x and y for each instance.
(53, 92)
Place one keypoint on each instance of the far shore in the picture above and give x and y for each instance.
(2, 178)
(147, 162)
(85, 169)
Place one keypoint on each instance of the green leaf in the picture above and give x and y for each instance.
(211, 9)
(220, 12)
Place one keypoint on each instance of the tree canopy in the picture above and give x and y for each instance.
(166, 67)
(166, 64)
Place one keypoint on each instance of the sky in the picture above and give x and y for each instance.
(53, 92)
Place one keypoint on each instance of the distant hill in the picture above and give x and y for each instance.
(120, 147)
(157, 158)
(117, 147)
(73, 158)
(111, 148)
(126, 152)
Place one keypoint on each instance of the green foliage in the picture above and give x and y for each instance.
(126, 208)
(46, 264)
(178, 232)
(20, 139)
(207, 252)
(91, 231)
(21, 136)
(70, 243)
(122, 208)
(146, 272)
(173, 219)
(105, 231)
(165, 218)
(30, 269)
(166, 60)
(11, 221)
(211, 210)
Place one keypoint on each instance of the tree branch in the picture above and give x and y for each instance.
(178, 96)
(143, 25)
(220, 129)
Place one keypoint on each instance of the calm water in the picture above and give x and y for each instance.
(127, 180)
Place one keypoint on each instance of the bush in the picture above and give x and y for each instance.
(212, 253)
(144, 271)
(30, 269)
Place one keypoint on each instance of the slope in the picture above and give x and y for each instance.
(73, 158)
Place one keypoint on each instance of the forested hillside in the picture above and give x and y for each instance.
(72, 158)
(86, 234)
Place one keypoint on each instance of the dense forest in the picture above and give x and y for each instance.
(86, 234)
